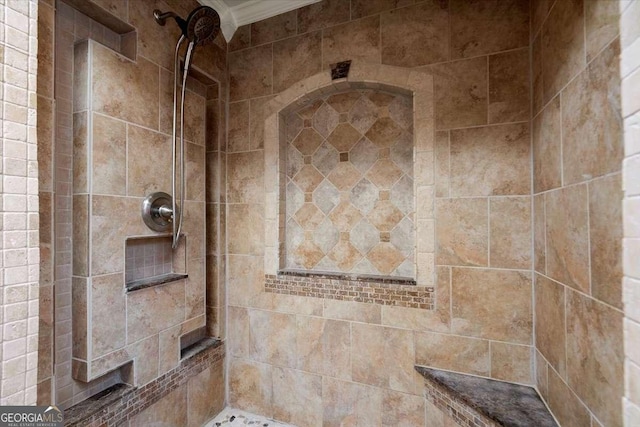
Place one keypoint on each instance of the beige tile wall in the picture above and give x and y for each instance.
(19, 275)
(483, 320)
(630, 73)
(577, 157)
(145, 126)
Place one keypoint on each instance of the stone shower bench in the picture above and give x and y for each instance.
(479, 402)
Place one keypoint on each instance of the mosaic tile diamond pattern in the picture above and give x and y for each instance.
(350, 203)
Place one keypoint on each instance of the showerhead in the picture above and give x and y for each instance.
(201, 26)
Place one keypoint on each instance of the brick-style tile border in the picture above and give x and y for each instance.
(371, 291)
(455, 408)
(135, 401)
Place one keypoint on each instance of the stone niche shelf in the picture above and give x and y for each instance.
(148, 282)
(474, 401)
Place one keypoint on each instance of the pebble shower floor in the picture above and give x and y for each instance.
(230, 417)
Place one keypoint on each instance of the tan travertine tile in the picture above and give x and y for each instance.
(250, 73)
(455, 353)
(152, 38)
(322, 15)
(510, 232)
(537, 87)
(400, 409)
(415, 35)
(547, 134)
(194, 220)
(511, 362)
(79, 310)
(108, 314)
(360, 8)
(591, 123)
(295, 59)
(356, 40)
(256, 122)
(172, 409)
(251, 386)
(492, 304)
(605, 233)
(245, 177)
(195, 172)
(347, 403)
(80, 234)
(539, 234)
(46, 23)
(323, 346)
(595, 355)
(564, 404)
(509, 86)
(442, 164)
(145, 173)
(563, 50)
(275, 28)
(169, 349)
(602, 25)
(567, 236)
(462, 232)
(272, 338)
(108, 155)
(205, 395)
(238, 334)
(492, 160)
(542, 381)
(241, 38)
(152, 310)
(344, 137)
(299, 397)
(245, 279)
(45, 143)
(246, 229)
(145, 356)
(238, 127)
(550, 322)
(480, 28)
(354, 311)
(342, 102)
(539, 11)
(461, 92)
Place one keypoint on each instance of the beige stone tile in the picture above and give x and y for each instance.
(241, 38)
(195, 172)
(415, 35)
(382, 357)
(541, 376)
(547, 156)
(171, 409)
(275, 28)
(272, 337)
(147, 174)
(602, 24)
(461, 92)
(344, 137)
(298, 305)
(455, 353)
(550, 322)
(385, 257)
(539, 11)
(513, 363)
(245, 177)
(323, 346)
(442, 164)
(115, 7)
(322, 15)
(416, 318)
(510, 232)
(79, 317)
(299, 397)
(402, 410)
(136, 101)
(307, 141)
(539, 234)
(563, 50)
(595, 355)
(169, 349)
(591, 123)
(145, 356)
(509, 86)
(360, 8)
(480, 27)
(356, 40)
(257, 111)
(80, 235)
(492, 160)
(251, 386)
(238, 332)
(492, 304)
(462, 232)
(605, 234)
(347, 403)
(537, 87)
(46, 24)
(351, 310)
(195, 289)
(108, 156)
(295, 59)
(45, 143)
(567, 236)
(152, 310)
(195, 115)
(205, 395)
(245, 279)
(246, 229)
(250, 73)
(194, 222)
(108, 314)
(564, 404)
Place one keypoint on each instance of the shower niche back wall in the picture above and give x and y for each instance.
(349, 186)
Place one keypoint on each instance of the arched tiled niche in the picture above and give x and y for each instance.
(394, 80)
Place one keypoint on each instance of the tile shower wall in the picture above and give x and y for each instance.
(577, 155)
(152, 39)
(630, 73)
(349, 187)
(19, 207)
(310, 361)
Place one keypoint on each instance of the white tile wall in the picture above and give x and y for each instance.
(19, 260)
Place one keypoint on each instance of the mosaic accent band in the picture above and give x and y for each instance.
(352, 289)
